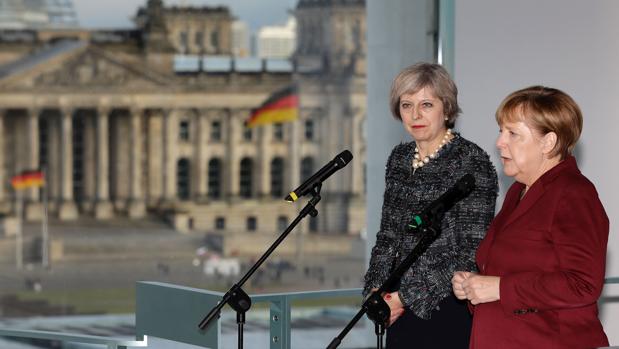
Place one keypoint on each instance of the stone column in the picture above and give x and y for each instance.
(170, 155)
(230, 132)
(103, 206)
(294, 157)
(137, 206)
(34, 209)
(264, 157)
(200, 158)
(68, 209)
(357, 149)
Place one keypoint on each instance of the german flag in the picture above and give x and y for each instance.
(28, 179)
(281, 106)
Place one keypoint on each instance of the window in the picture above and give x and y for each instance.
(216, 131)
(278, 132)
(307, 168)
(247, 134)
(215, 40)
(309, 129)
(246, 178)
(220, 223)
(43, 142)
(183, 130)
(277, 177)
(183, 179)
(200, 41)
(252, 224)
(214, 179)
(282, 223)
(184, 41)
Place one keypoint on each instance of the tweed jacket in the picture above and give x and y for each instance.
(407, 192)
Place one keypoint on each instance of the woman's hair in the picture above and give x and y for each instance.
(545, 110)
(426, 75)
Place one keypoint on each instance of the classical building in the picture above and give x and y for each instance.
(150, 120)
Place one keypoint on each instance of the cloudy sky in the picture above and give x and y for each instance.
(118, 13)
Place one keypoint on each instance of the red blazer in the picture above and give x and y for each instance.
(550, 251)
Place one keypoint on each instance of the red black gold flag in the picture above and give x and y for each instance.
(28, 179)
(281, 106)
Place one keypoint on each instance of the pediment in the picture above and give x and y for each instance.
(85, 69)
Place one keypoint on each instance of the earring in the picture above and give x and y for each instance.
(446, 118)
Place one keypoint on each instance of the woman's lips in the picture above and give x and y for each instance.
(418, 126)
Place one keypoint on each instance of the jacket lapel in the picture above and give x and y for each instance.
(537, 189)
(531, 197)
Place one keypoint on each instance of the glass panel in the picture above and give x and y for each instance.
(160, 198)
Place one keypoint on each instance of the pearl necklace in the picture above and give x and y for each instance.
(418, 162)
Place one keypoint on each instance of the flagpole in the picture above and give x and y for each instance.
(18, 239)
(45, 225)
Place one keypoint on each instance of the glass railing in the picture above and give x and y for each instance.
(173, 312)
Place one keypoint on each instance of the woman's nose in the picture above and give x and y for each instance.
(500, 142)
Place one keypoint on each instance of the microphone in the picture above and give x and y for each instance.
(435, 211)
(342, 159)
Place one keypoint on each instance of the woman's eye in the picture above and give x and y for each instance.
(427, 105)
(405, 105)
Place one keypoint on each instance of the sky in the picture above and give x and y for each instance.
(118, 13)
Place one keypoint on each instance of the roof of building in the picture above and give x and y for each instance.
(46, 53)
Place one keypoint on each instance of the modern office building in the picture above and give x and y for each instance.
(37, 14)
(277, 41)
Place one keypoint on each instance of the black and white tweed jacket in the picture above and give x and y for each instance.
(427, 282)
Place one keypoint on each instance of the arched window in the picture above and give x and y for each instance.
(183, 179)
(277, 177)
(307, 168)
(214, 179)
(246, 178)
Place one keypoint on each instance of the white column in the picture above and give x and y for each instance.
(137, 207)
(233, 162)
(68, 209)
(33, 208)
(264, 157)
(33, 154)
(200, 162)
(103, 207)
(170, 155)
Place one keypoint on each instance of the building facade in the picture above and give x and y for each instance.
(121, 130)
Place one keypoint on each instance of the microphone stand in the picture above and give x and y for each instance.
(375, 306)
(236, 297)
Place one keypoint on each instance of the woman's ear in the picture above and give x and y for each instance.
(549, 141)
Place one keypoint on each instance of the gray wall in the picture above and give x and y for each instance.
(504, 45)
(397, 37)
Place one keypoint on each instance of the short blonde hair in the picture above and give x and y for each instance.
(421, 75)
(545, 110)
